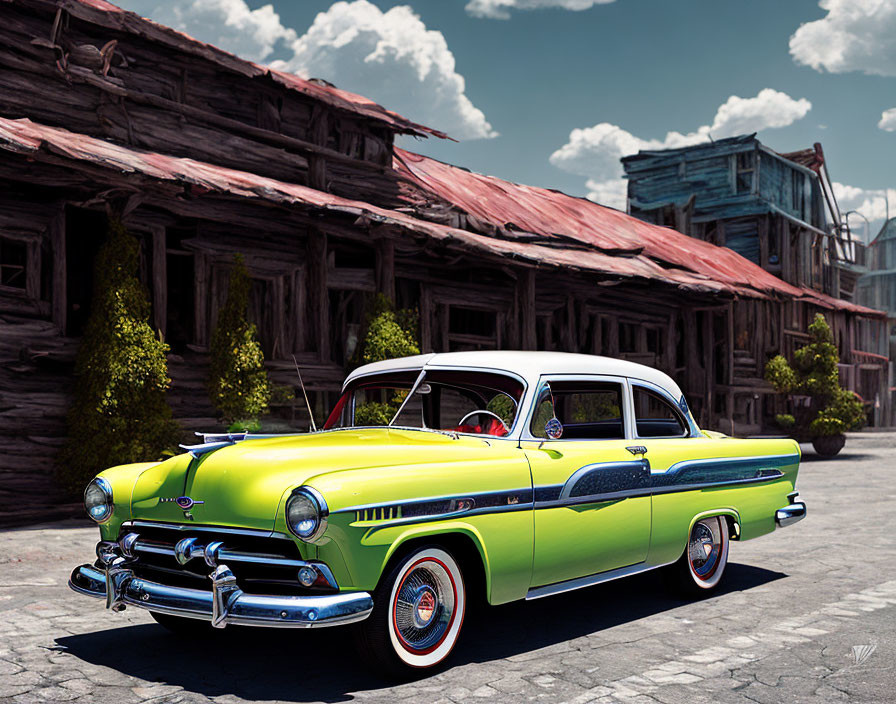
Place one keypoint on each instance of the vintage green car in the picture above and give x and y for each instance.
(500, 476)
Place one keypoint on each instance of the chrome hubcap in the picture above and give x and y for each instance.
(424, 606)
(705, 548)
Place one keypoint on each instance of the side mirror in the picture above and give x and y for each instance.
(553, 428)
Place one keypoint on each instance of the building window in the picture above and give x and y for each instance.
(746, 165)
(13, 259)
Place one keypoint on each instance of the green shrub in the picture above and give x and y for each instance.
(390, 333)
(119, 413)
(238, 383)
(832, 409)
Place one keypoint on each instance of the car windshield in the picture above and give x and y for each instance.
(484, 403)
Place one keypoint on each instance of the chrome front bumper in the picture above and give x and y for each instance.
(225, 603)
(794, 512)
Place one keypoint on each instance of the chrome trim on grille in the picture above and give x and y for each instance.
(227, 530)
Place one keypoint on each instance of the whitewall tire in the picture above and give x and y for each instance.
(702, 565)
(418, 611)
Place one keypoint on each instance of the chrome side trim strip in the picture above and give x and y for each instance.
(185, 527)
(772, 461)
(590, 580)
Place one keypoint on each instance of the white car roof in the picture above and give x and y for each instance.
(528, 365)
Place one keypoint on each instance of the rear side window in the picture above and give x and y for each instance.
(588, 410)
(654, 415)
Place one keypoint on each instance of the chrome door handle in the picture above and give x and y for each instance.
(637, 449)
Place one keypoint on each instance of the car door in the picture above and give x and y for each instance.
(678, 459)
(592, 498)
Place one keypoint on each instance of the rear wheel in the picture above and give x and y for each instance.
(418, 612)
(699, 570)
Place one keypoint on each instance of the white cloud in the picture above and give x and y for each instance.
(228, 24)
(888, 120)
(390, 57)
(393, 58)
(500, 9)
(872, 203)
(595, 151)
(855, 35)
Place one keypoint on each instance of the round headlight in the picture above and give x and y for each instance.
(306, 513)
(98, 500)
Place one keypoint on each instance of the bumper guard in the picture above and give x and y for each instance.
(794, 512)
(113, 579)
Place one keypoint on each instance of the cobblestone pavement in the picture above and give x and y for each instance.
(807, 614)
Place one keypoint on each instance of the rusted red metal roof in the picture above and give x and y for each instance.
(115, 18)
(553, 215)
(55, 145)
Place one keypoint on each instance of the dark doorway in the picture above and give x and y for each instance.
(85, 232)
(181, 289)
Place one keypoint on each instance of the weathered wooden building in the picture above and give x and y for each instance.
(877, 286)
(779, 212)
(204, 155)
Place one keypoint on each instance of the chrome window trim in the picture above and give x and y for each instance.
(521, 410)
(691, 428)
(526, 433)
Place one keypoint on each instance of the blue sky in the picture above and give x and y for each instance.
(514, 83)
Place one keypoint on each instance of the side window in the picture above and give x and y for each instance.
(588, 410)
(654, 416)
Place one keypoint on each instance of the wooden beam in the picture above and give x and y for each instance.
(426, 319)
(318, 294)
(528, 318)
(385, 267)
(59, 292)
(159, 279)
(201, 272)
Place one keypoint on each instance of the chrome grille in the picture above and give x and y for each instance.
(263, 562)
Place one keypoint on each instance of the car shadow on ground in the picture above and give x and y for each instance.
(273, 664)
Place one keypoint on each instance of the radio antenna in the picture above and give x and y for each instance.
(305, 394)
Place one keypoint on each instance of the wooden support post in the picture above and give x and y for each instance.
(385, 268)
(786, 251)
(763, 241)
(159, 279)
(597, 345)
(318, 294)
(528, 318)
(426, 319)
(201, 307)
(612, 336)
(318, 134)
(60, 282)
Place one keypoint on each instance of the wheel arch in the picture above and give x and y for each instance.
(731, 516)
(462, 541)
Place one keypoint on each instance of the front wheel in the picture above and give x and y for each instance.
(699, 570)
(418, 612)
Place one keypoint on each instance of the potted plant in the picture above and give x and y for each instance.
(822, 410)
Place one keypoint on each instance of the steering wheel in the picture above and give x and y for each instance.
(488, 413)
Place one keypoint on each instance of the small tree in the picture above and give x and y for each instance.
(238, 385)
(119, 413)
(390, 334)
(831, 410)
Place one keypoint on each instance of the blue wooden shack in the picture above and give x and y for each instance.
(777, 210)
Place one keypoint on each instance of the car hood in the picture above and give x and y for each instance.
(244, 484)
